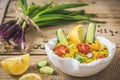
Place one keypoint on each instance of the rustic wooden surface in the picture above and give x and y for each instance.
(107, 10)
(112, 72)
(3, 8)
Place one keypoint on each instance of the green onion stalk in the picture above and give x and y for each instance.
(37, 16)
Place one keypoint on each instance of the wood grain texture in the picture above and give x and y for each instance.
(110, 73)
(3, 7)
(106, 10)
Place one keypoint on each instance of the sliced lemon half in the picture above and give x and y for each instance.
(30, 76)
(16, 65)
(76, 34)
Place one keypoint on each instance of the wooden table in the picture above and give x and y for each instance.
(107, 10)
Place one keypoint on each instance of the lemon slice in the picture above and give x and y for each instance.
(30, 76)
(76, 34)
(16, 65)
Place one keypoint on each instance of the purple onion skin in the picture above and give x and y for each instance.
(6, 26)
(17, 36)
(13, 30)
(10, 32)
(23, 39)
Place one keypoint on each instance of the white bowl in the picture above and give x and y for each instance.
(72, 67)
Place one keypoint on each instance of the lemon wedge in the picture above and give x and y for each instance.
(30, 76)
(16, 65)
(76, 34)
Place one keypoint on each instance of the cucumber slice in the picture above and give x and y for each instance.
(90, 35)
(41, 63)
(46, 70)
(79, 58)
(61, 37)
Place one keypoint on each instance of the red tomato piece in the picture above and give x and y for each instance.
(61, 50)
(83, 48)
(100, 56)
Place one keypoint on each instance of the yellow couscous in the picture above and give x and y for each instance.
(97, 50)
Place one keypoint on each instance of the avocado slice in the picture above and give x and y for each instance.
(61, 37)
(90, 35)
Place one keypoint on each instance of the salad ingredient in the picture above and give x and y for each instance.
(103, 47)
(30, 76)
(41, 63)
(76, 34)
(46, 70)
(90, 35)
(61, 50)
(100, 56)
(79, 58)
(89, 55)
(16, 65)
(84, 48)
(62, 39)
(84, 52)
(97, 45)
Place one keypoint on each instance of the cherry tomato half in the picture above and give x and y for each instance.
(83, 48)
(100, 56)
(61, 50)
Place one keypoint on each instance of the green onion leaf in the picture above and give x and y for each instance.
(59, 7)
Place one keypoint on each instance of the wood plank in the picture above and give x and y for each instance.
(109, 73)
(3, 7)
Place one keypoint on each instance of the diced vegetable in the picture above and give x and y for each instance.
(46, 70)
(83, 48)
(41, 63)
(89, 55)
(96, 45)
(100, 56)
(103, 47)
(61, 50)
(79, 58)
